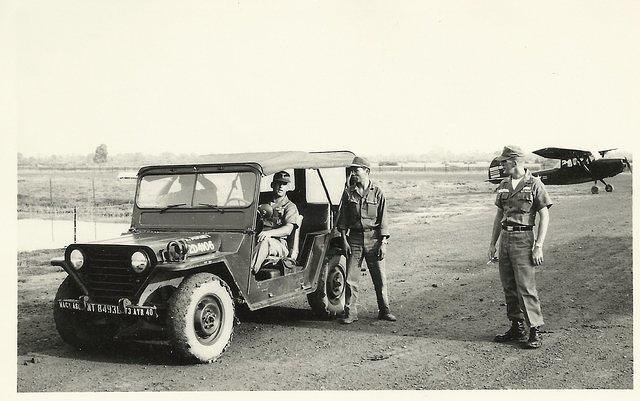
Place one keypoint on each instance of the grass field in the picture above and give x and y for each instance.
(99, 193)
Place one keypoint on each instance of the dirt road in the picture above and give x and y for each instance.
(449, 304)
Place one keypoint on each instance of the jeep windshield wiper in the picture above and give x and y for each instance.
(164, 209)
(211, 206)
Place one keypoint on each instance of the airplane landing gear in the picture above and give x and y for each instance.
(607, 187)
(594, 189)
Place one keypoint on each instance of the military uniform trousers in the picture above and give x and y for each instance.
(517, 274)
(365, 247)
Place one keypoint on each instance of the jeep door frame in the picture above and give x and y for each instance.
(279, 289)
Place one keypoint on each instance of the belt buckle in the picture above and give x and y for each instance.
(509, 228)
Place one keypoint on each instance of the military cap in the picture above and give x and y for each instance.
(510, 152)
(282, 176)
(360, 162)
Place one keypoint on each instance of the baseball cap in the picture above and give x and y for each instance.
(509, 152)
(282, 176)
(360, 162)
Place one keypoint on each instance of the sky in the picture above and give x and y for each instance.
(374, 77)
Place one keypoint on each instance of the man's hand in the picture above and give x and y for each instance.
(492, 251)
(537, 255)
(347, 248)
(264, 234)
(382, 250)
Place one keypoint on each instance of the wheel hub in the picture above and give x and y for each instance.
(335, 283)
(208, 318)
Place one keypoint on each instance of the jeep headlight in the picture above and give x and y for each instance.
(77, 259)
(139, 261)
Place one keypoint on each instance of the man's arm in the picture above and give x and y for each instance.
(542, 233)
(495, 233)
(384, 225)
(342, 222)
(276, 232)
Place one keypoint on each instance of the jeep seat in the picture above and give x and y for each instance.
(274, 266)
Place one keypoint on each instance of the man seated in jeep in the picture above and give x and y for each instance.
(279, 216)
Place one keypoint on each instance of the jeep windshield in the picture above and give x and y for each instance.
(197, 190)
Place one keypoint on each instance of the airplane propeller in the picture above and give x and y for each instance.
(626, 161)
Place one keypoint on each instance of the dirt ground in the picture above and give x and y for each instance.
(449, 304)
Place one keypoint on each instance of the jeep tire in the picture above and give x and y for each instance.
(328, 299)
(200, 318)
(76, 328)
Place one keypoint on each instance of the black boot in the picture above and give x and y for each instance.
(517, 332)
(348, 316)
(386, 315)
(535, 339)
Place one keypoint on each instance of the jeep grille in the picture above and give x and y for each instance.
(108, 275)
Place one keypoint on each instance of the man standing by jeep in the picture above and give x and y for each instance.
(277, 223)
(520, 197)
(364, 215)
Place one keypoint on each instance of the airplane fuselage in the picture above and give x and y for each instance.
(600, 169)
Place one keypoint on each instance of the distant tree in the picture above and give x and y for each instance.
(387, 163)
(100, 156)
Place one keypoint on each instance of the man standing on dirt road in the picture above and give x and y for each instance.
(364, 214)
(520, 197)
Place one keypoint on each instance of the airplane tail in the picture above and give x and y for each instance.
(496, 172)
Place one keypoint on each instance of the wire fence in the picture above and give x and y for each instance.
(83, 194)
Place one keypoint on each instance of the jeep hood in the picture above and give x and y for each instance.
(198, 243)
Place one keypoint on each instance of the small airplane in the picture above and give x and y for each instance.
(576, 166)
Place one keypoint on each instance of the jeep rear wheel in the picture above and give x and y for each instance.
(328, 299)
(200, 318)
(77, 328)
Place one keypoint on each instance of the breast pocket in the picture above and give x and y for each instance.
(370, 208)
(525, 201)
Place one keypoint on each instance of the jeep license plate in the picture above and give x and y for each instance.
(129, 310)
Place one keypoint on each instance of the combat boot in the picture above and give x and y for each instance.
(348, 319)
(386, 315)
(348, 316)
(535, 338)
(517, 332)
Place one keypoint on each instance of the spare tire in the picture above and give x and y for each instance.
(328, 299)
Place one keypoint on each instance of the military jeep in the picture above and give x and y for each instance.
(179, 273)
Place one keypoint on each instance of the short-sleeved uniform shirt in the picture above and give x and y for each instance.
(284, 212)
(520, 204)
(364, 210)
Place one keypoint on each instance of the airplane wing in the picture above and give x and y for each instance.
(604, 152)
(561, 153)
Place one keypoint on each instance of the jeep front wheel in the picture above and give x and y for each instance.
(200, 318)
(78, 328)
(328, 298)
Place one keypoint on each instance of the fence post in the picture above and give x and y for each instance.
(74, 224)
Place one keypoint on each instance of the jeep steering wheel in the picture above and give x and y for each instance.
(237, 201)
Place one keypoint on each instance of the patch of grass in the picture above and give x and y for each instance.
(38, 262)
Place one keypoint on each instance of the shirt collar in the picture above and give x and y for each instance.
(354, 188)
(526, 178)
(279, 202)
